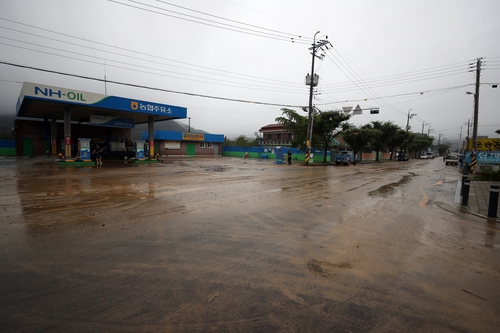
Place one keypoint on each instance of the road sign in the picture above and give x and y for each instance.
(357, 110)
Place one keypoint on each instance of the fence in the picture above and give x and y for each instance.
(298, 154)
(7, 148)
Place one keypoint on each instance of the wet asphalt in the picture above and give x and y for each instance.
(238, 245)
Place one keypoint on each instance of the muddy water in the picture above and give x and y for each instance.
(234, 245)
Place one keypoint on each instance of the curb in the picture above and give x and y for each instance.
(456, 202)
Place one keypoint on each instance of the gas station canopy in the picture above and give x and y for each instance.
(42, 101)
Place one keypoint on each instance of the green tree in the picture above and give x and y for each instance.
(388, 136)
(378, 141)
(295, 123)
(326, 125)
(7, 135)
(228, 142)
(443, 149)
(406, 140)
(395, 138)
(358, 138)
(242, 141)
(420, 143)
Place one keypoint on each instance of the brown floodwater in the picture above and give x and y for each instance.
(242, 245)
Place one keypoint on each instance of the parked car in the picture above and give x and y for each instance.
(424, 156)
(402, 157)
(346, 157)
(451, 160)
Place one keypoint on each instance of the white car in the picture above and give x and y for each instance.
(425, 156)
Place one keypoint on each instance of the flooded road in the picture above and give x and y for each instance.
(236, 245)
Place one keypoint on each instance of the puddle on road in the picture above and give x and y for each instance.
(391, 188)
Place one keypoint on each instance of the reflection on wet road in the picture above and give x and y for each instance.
(241, 245)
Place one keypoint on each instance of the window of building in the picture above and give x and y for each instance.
(210, 144)
(202, 144)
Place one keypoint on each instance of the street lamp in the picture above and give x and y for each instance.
(189, 124)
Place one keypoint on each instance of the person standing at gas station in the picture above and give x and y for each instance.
(97, 151)
(289, 157)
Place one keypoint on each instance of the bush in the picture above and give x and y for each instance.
(487, 175)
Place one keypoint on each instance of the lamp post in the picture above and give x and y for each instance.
(189, 124)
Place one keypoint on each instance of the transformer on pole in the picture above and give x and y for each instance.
(312, 81)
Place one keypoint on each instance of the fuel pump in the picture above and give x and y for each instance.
(139, 150)
(84, 145)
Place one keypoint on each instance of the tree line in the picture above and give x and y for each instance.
(376, 136)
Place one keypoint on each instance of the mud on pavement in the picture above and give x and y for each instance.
(237, 245)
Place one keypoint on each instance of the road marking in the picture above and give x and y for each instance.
(425, 198)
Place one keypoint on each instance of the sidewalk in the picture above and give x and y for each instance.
(479, 198)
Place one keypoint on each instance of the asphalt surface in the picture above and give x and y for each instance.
(238, 245)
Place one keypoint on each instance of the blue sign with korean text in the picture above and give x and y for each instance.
(111, 121)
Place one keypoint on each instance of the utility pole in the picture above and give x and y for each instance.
(476, 106)
(410, 116)
(460, 141)
(314, 48)
(423, 124)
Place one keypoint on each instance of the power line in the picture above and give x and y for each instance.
(211, 23)
(149, 88)
(180, 76)
(398, 79)
(362, 85)
(225, 19)
(401, 95)
(219, 71)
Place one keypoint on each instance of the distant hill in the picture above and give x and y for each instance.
(167, 125)
(6, 123)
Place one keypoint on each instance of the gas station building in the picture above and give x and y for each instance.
(59, 121)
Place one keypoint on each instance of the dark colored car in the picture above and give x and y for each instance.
(402, 157)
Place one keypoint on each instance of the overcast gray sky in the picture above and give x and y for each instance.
(394, 55)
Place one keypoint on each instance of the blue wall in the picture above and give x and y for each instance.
(7, 144)
(7, 148)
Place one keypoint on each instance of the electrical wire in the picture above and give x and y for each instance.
(149, 88)
(211, 23)
(405, 77)
(234, 21)
(155, 71)
(218, 71)
(359, 82)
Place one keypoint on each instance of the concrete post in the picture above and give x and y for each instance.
(493, 204)
(67, 135)
(465, 196)
(464, 177)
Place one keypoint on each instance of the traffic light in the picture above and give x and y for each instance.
(373, 111)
